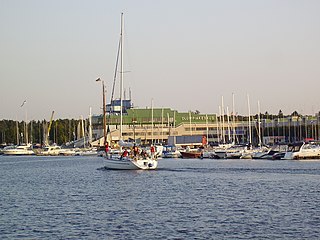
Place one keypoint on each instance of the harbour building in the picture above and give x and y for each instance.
(168, 126)
(158, 125)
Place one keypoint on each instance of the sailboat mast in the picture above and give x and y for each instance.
(90, 126)
(233, 120)
(152, 121)
(207, 128)
(259, 125)
(219, 130)
(250, 137)
(121, 76)
(26, 129)
(17, 129)
(228, 121)
(82, 131)
(104, 114)
(190, 123)
(223, 132)
(162, 125)
(174, 127)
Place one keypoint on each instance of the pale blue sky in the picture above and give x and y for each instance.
(183, 54)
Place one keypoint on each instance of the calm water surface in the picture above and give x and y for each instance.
(75, 198)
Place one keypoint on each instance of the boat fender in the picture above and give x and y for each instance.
(150, 165)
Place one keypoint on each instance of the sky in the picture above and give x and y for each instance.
(185, 55)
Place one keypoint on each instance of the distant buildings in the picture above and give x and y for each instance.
(153, 125)
(164, 125)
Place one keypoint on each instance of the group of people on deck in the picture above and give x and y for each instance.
(135, 152)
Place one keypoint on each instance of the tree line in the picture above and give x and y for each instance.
(62, 131)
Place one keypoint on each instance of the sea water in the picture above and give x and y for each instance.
(76, 198)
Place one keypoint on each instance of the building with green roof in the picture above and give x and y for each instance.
(153, 125)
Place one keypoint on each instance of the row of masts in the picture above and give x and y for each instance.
(227, 124)
(221, 124)
(83, 130)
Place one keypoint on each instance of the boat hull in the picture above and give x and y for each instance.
(118, 163)
(301, 155)
(191, 154)
(171, 155)
(18, 150)
(18, 153)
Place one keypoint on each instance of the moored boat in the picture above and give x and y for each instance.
(170, 152)
(303, 150)
(87, 152)
(18, 150)
(55, 150)
(191, 153)
(49, 151)
(274, 153)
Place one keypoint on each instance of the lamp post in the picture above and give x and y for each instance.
(104, 111)
(25, 126)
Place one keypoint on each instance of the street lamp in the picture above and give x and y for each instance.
(104, 111)
(25, 125)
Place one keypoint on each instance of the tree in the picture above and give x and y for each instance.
(280, 114)
(196, 112)
(294, 114)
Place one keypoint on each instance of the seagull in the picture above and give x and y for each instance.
(23, 103)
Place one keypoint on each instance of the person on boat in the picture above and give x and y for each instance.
(125, 153)
(144, 154)
(107, 147)
(187, 149)
(135, 150)
(152, 150)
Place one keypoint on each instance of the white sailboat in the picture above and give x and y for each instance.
(130, 158)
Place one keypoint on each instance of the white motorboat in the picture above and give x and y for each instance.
(271, 153)
(18, 150)
(86, 152)
(170, 152)
(250, 152)
(303, 150)
(50, 151)
(55, 150)
(231, 151)
(67, 152)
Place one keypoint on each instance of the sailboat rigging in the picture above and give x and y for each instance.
(130, 157)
